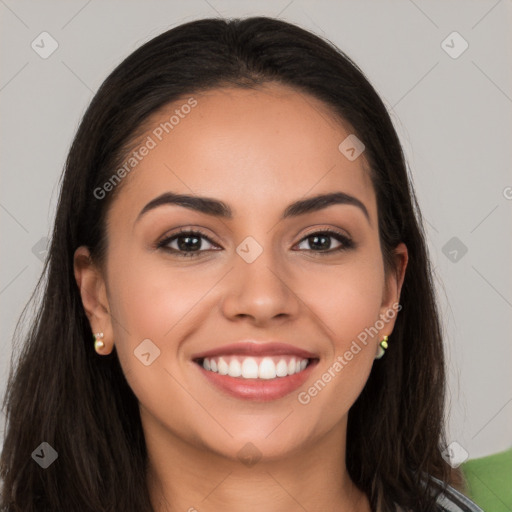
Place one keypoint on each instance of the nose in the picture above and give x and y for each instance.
(261, 291)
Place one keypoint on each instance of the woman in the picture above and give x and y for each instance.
(239, 311)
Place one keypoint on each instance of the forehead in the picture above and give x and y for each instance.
(251, 148)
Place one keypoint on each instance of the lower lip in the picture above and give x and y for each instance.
(260, 390)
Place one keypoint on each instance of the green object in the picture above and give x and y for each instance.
(489, 481)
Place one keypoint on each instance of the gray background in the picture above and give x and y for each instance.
(453, 116)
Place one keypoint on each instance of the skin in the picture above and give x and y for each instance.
(258, 151)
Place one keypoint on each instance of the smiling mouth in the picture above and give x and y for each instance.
(254, 367)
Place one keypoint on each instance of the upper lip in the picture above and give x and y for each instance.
(254, 348)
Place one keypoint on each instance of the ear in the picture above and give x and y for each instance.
(93, 291)
(393, 287)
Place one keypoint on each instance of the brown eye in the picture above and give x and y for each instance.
(187, 243)
(321, 242)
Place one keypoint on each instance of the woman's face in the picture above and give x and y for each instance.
(262, 289)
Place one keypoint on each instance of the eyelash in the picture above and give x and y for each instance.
(346, 243)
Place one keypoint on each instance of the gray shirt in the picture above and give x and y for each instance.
(451, 500)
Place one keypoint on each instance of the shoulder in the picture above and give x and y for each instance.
(450, 500)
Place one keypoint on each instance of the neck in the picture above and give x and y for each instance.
(182, 477)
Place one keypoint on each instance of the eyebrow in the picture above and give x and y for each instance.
(217, 208)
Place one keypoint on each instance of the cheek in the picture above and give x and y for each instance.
(150, 298)
(349, 307)
(144, 305)
(149, 301)
(346, 298)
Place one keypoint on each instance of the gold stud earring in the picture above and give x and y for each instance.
(98, 342)
(383, 345)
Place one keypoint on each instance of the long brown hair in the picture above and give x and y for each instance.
(61, 393)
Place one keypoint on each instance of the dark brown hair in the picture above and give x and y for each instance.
(60, 392)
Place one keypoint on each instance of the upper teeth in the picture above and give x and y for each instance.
(255, 367)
